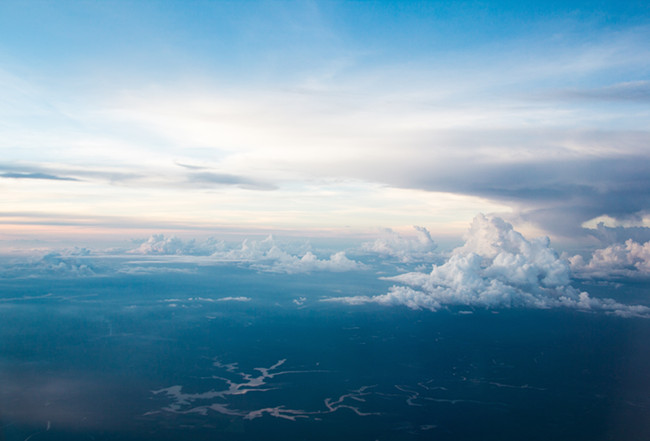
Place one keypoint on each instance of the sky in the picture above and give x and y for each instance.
(452, 198)
(332, 119)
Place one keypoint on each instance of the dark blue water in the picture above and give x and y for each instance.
(133, 358)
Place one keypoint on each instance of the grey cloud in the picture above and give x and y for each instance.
(548, 183)
(189, 166)
(37, 171)
(611, 235)
(625, 178)
(196, 176)
(37, 175)
(212, 178)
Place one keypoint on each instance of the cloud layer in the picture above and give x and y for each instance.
(497, 267)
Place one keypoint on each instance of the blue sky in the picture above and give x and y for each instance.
(334, 118)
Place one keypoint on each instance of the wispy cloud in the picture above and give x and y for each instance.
(25, 175)
(210, 179)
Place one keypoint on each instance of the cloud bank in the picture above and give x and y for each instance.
(497, 267)
(264, 255)
(629, 259)
(159, 244)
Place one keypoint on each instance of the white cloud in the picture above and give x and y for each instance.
(264, 255)
(405, 249)
(267, 255)
(159, 244)
(629, 259)
(497, 267)
(309, 262)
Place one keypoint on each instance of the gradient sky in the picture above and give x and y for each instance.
(335, 117)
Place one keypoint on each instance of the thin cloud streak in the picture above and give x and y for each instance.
(45, 176)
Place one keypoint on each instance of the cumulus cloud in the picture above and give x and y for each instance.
(264, 255)
(497, 267)
(629, 259)
(159, 244)
(405, 249)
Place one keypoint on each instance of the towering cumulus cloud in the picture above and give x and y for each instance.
(497, 267)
